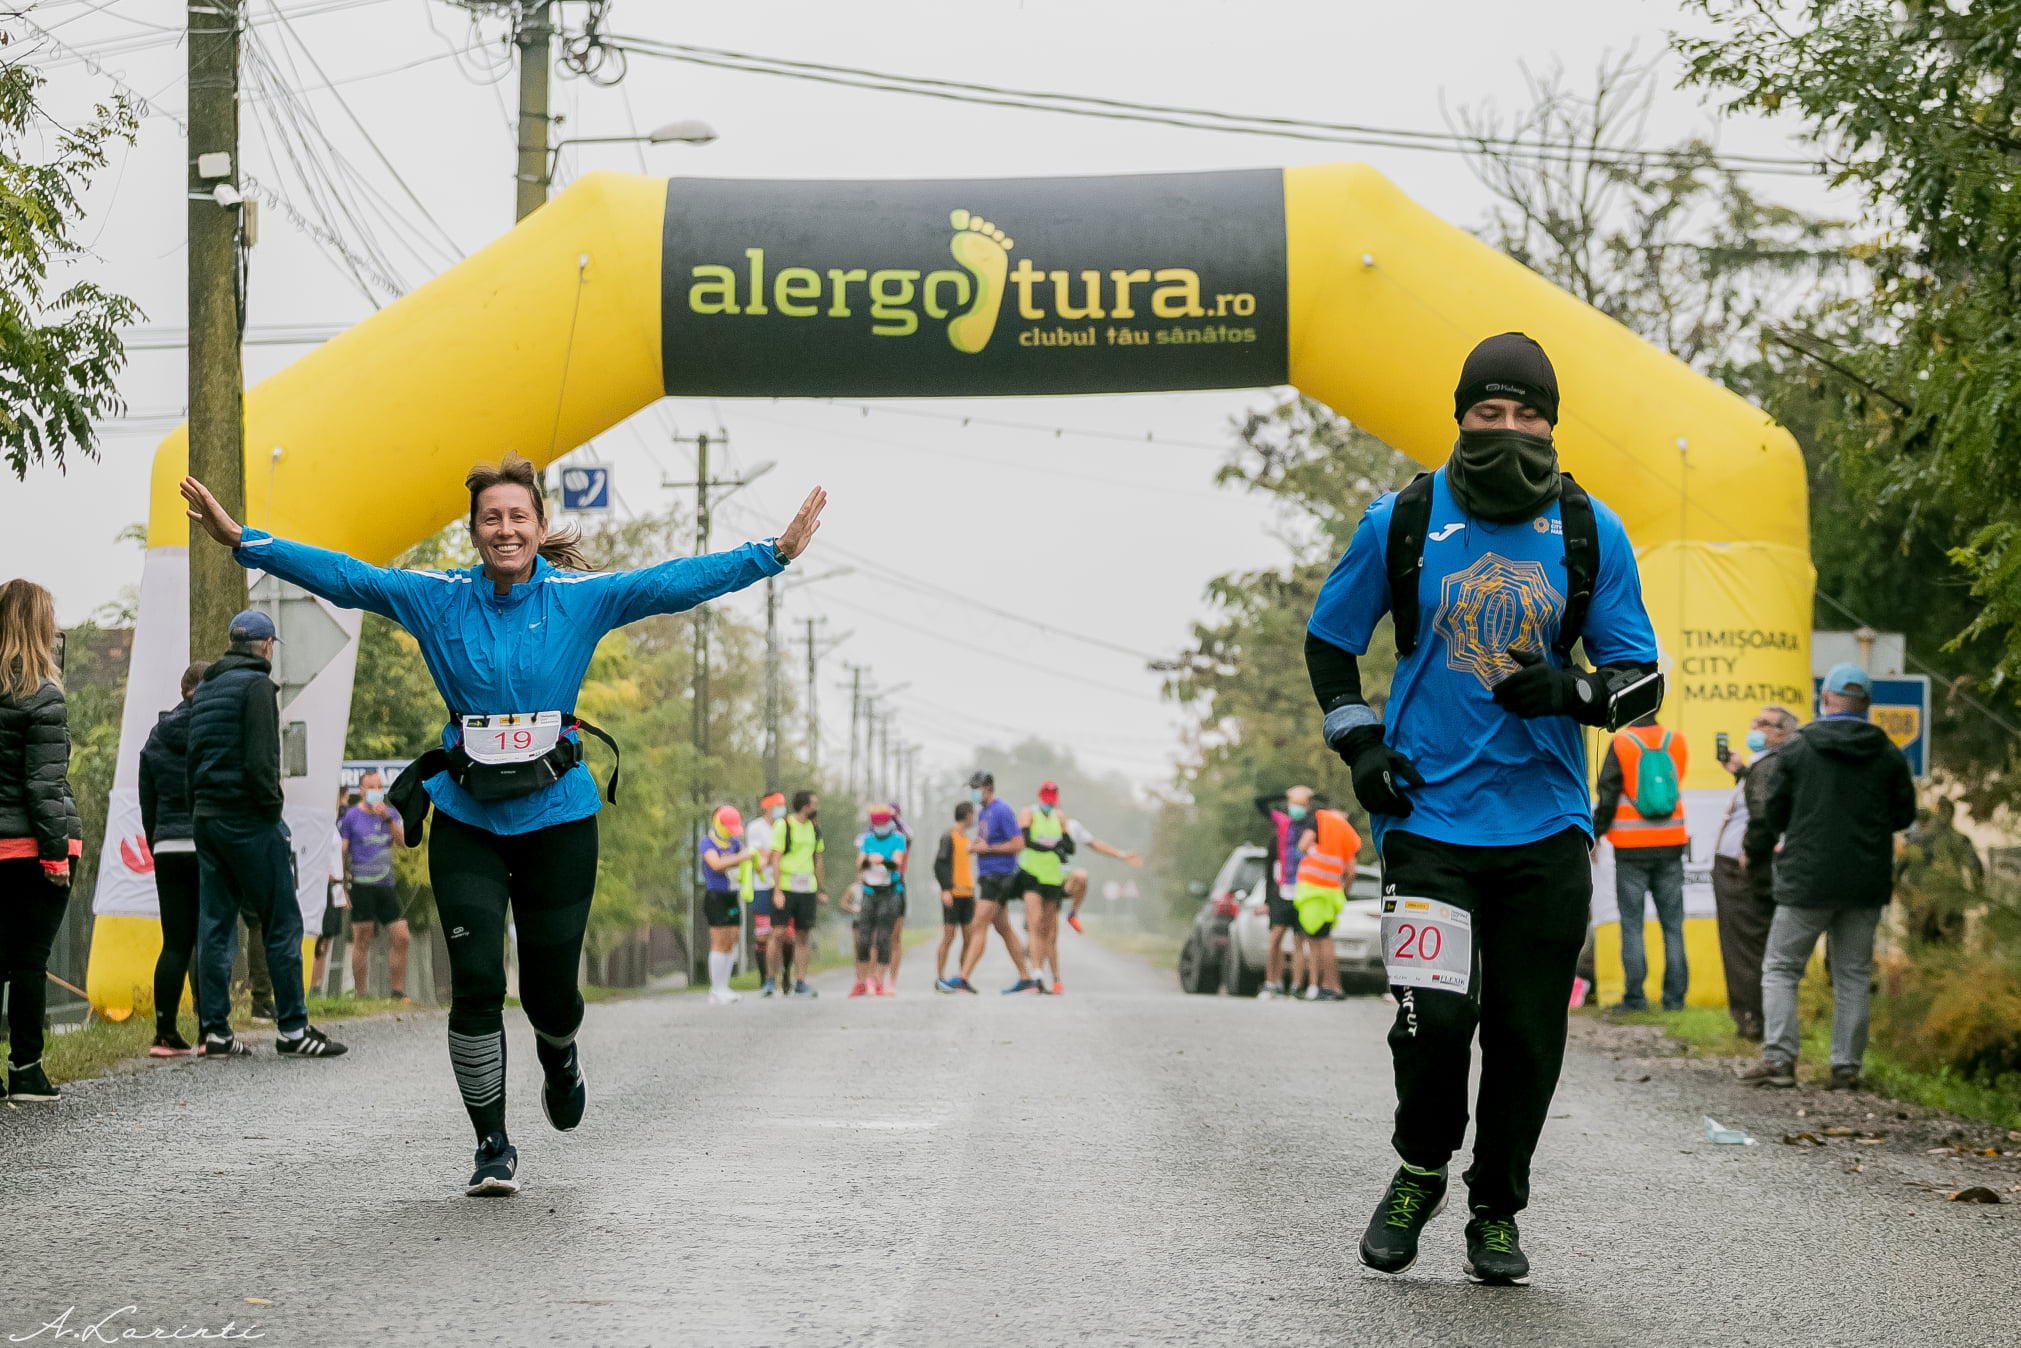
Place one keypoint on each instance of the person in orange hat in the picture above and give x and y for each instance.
(722, 852)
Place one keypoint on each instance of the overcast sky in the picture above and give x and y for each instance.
(1081, 528)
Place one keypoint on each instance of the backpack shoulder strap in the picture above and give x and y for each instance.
(1582, 561)
(1403, 557)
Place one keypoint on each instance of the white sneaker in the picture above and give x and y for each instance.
(724, 997)
(1312, 993)
(1269, 993)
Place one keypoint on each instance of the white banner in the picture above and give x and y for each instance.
(160, 654)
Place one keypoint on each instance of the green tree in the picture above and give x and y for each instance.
(1915, 106)
(1256, 727)
(60, 353)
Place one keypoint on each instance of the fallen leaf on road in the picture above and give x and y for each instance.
(1990, 1151)
(1978, 1193)
(1941, 1151)
(262, 1301)
(1871, 1141)
(1841, 1131)
(1803, 1139)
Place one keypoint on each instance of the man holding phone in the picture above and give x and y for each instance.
(1474, 777)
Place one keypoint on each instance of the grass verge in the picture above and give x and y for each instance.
(98, 1046)
(1707, 1032)
(1153, 947)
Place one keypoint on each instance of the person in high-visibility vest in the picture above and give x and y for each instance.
(1326, 853)
(1641, 811)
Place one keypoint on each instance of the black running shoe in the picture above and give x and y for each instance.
(1493, 1256)
(224, 1046)
(565, 1095)
(311, 1043)
(1390, 1245)
(30, 1083)
(497, 1163)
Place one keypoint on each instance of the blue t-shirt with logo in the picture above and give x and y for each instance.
(887, 849)
(1491, 778)
(997, 823)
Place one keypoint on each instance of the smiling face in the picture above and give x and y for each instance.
(1505, 414)
(507, 528)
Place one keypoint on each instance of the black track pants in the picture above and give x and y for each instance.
(548, 877)
(175, 887)
(31, 912)
(1529, 904)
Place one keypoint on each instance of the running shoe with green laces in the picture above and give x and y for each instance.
(1390, 1244)
(1493, 1256)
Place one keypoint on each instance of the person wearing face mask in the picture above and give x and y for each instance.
(880, 860)
(370, 830)
(1280, 882)
(1474, 777)
(723, 852)
(798, 846)
(763, 870)
(508, 642)
(1742, 895)
(998, 840)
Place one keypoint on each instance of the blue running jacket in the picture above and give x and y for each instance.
(525, 651)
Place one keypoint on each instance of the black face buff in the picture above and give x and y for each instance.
(1502, 476)
(1508, 366)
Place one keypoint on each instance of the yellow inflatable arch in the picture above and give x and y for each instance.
(625, 289)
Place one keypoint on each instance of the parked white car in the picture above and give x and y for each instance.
(1357, 940)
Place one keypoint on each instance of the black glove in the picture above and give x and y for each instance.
(1538, 688)
(1376, 769)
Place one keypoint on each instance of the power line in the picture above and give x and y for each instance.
(1200, 119)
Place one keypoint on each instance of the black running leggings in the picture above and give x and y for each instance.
(548, 877)
(175, 887)
(31, 913)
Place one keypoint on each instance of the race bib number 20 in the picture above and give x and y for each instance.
(1427, 944)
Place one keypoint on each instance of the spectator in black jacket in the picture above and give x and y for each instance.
(1745, 898)
(234, 766)
(1839, 792)
(165, 820)
(40, 836)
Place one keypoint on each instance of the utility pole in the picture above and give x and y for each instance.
(771, 685)
(217, 449)
(855, 720)
(698, 967)
(533, 37)
(813, 710)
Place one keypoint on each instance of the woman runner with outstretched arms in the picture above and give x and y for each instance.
(508, 642)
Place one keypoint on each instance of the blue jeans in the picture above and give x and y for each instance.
(246, 860)
(1849, 946)
(1662, 879)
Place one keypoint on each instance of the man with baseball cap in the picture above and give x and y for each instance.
(998, 840)
(1840, 792)
(243, 856)
(1474, 777)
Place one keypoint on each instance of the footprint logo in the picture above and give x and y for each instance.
(984, 252)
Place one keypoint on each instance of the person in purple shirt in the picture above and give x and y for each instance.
(370, 830)
(998, 840)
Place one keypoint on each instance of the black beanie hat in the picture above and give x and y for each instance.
(1508, 366)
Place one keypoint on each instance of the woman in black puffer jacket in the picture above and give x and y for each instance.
(40, 836)
(165, 819)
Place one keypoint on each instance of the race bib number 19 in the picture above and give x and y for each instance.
(1427, 944)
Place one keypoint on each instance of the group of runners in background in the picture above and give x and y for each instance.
(771, 872)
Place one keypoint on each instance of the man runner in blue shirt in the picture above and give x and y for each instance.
(1474, 778)
(998, 840)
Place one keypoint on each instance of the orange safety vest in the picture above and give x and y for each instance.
(1333, 851)
(964, 883)
(1629, 828)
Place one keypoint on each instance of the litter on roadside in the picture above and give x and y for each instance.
(1723, 1136)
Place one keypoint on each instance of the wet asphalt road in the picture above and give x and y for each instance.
(1121, 1165)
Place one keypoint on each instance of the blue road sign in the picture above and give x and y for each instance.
(586, 487)
(1901, 707)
